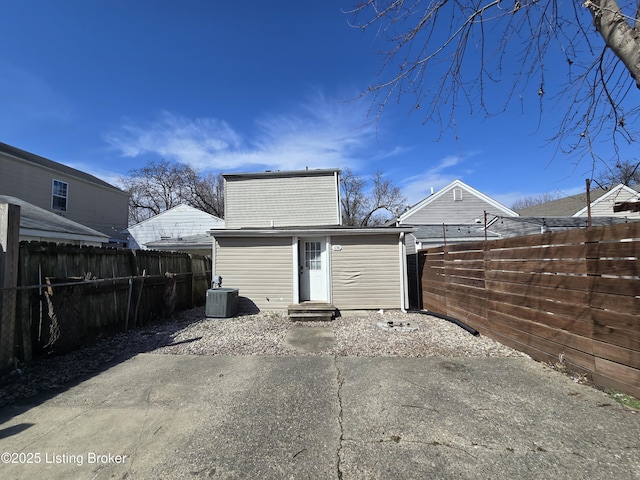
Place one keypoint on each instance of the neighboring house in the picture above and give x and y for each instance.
(457, 203)
(284, 244)
(37, 224)
(175, 224)
(457, 213)
(64, 191)
(602, 203)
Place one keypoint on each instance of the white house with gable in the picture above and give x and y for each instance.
(456, 213)
(173, 224)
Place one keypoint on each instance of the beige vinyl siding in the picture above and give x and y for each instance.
(262, 268)
(93, 205)
(285, 201)
(365, 272)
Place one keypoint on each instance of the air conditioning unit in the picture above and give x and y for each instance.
(221, 302)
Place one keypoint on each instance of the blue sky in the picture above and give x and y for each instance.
(104, 86)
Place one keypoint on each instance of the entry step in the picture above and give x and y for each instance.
(307, 311)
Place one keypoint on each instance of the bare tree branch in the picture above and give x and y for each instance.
(161, 185)
(626, 172)
(364, 208)
(482, 55)
(618, 34)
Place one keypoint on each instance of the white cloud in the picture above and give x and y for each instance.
(419, 186)
(197, 142)
(322, 134)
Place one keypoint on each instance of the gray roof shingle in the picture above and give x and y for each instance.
(36, 218)
(565, 207)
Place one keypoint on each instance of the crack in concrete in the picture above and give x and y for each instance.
(398, 440)
(340, 382)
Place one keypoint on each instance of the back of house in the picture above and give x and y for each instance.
(284, 246)
(282, 199)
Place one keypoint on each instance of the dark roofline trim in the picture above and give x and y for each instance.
(282, 173)
(56, 167)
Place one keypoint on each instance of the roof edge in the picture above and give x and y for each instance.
(307, 232)
(456, 183)
(282, 173)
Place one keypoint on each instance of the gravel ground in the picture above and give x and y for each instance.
(191, 333)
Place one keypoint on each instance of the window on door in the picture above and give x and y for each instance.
(312, 255)
(59, 195)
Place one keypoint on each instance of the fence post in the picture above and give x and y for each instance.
(190, 281)
(592, 239)
(9, 244)
(445, 264)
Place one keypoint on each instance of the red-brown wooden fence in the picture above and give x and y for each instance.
(571, 296)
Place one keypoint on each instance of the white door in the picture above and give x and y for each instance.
(313, 269)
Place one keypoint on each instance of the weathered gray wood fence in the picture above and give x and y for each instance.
(68, 296)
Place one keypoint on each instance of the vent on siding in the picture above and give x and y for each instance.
(457, 194)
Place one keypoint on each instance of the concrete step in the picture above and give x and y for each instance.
(308, 311)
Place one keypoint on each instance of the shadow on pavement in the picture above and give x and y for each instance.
(46, 377)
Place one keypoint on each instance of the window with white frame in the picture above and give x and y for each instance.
(313, 255)
(457, 194)
(59, 195)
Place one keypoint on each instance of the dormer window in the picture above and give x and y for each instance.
(457, 194)
(59, 193)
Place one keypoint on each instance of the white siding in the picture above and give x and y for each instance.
(286, 201)
(603, 206)
(262, 268)
(366, 272)
(410, 243)
(180, 221)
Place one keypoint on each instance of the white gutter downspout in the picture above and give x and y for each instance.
(403, 274)
(339, 212)
(296, 268)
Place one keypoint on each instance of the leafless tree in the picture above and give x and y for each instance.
(484, 55)
(363, 206)
(534, 200)
(352, 197)
(206, 193)
(626, 172)
(161, 185)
